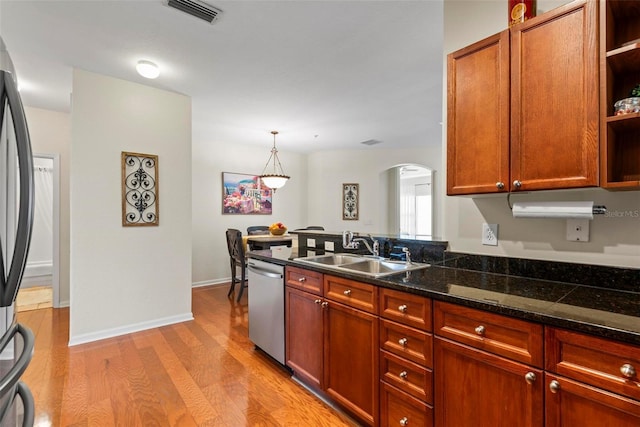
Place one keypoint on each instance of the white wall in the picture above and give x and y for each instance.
(50, 133)
(328, 170)
(615, 239)
(210, 255)
(127, 278)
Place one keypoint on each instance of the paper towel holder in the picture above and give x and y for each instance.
(565, 210)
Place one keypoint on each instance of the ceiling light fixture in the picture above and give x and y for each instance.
(147, 69)
(275, 179)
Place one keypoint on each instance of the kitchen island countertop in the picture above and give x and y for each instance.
(608, 313)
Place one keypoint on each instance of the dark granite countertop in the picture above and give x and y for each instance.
(605, 312)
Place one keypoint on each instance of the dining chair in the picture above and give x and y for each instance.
(237, 260)
(257, 229)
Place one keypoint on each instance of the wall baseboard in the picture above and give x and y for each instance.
(123, 330)
(216, 282)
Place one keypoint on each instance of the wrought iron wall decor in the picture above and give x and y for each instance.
(140, 196)
(350, 193)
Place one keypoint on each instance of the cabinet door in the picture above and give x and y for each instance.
(474, 388)
(554, 110)
(351, 360)
(570, 403)
(304, 336)
(478, 117)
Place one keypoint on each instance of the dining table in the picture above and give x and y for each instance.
(266, 241)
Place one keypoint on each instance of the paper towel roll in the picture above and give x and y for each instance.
(578, 210)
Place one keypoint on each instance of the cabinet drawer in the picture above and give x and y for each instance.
(606, 364)
(409, 309)
(354, 294)
(406, 342)
(512, 338)
(398, 409)
(307, 280)
(407, 376)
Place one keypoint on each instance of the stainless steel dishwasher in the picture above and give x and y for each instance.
(266, 307)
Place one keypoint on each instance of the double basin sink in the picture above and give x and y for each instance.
(362, 264)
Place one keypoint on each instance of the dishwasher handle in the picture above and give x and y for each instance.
(263, 272)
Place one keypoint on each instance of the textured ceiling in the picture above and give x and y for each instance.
(325, 74)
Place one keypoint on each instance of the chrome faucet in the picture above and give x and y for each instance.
(407, 255)
(349, 242)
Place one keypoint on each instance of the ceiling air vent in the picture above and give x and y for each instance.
(371, 142)
(196, 8)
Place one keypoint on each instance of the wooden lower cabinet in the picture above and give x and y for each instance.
(351, 360)
(304, 336)
(473, 369)
(399, 409)
(570, 403)
(475, 388)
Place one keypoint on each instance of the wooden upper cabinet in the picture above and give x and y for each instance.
(478, 117)
(554, 99)
(523, 106)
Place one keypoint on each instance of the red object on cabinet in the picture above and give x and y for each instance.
(521, 10)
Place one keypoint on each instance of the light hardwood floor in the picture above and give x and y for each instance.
(204, 372)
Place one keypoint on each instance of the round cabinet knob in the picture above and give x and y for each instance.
(403, 375)
(318, 301)
(347, 292)
(480, 330)
(517, 184)
(628, 370)
(554, 386)
(302, 279)
(404, 421)
(403, 308)
(530, 377)
(325, 304)
(500, 185)
(403, 342)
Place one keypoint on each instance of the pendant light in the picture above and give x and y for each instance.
(275, 177)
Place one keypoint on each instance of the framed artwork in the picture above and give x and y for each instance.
(350, 195)
(244, 194)
(140, 197)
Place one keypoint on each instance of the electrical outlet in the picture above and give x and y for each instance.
(490, 234)
(578, 230)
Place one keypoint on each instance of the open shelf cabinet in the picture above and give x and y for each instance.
(619, 74)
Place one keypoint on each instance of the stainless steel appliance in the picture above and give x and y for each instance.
(16, 222)
(266, 307)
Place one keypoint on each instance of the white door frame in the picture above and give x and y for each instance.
(55, 210)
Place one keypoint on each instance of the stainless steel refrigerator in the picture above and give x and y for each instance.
(16, 221)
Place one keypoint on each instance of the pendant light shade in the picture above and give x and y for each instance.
(273, 176)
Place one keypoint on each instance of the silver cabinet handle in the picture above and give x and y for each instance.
(517, 183)
(628, 370)
(318, 301)
(480, 330)
(500, 185)
(554, 386)
(404, 421)
(403, 308)
(530, 377)
(403, 375)
(403, 342)
(325, 304)
(347, 292)
(302, 279)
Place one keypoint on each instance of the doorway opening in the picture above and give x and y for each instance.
(411, 187)
(40, 283)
